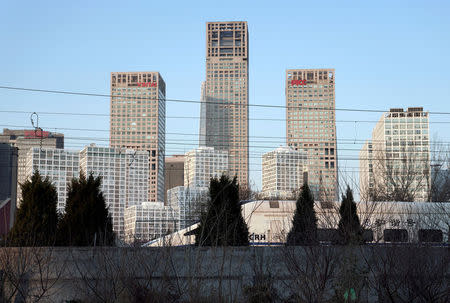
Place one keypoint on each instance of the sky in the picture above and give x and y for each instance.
(385, 53)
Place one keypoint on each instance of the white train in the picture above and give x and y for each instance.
(269, 221)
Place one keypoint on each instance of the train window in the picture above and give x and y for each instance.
(430, 235)
(274, 204)
(368, 235)
(327, 234)
(395, 235)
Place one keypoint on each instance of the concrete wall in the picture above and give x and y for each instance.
(231, 274)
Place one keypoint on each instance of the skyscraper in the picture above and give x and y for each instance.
(311, 125)
(224, 114)
(138, 120)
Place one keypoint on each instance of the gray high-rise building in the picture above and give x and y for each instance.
(23, 140)
(8, 186)
(224, 110)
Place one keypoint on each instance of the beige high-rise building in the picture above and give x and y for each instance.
(311, 125)
(138, 120)
(224, 114)
(400, 157)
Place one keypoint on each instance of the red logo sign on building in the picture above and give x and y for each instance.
(33, 134)
(147, 84)
(298, 82)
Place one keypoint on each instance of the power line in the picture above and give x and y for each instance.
(207, 118)
(195, 101)
(197, 134)
(179, 142)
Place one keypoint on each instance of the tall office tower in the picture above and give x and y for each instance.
(311, 125)
(25, 139)
(125, 175)
(59, 165)
(202, 164)
(138, 121)
(366, 185)
(174, 173)
(203, 118)
(282, 171)
(226, 94)
(401, 156)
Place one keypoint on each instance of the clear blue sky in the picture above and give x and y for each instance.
(386, 54)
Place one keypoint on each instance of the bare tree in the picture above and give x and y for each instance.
(440, 173)
(403, 175)
(29, 273)
(408, 273)
(311, 270)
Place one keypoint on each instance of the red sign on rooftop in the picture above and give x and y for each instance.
(33, 134)
(147, 84)
(298, 82)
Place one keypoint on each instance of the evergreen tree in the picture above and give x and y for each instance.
(86, 221)
(37, 219)
(349, 229)
(304, 224)
(222, 224)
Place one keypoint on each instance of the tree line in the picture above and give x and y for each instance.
(85, 222)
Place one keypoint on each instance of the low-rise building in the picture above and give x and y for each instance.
(283, 171)
(202, 164)
(190, 201)
(150, 220)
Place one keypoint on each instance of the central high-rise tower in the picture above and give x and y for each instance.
(224, 114)
(311, 125)
(138, 121)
